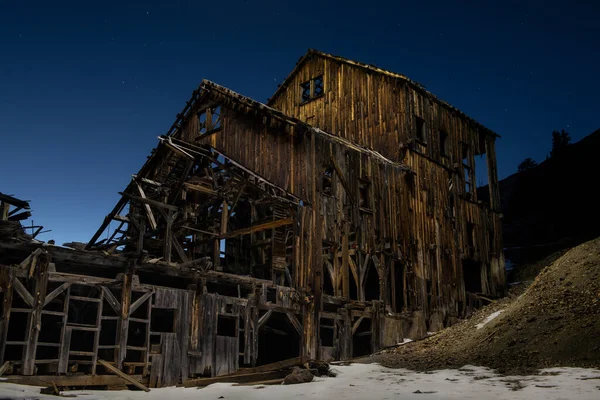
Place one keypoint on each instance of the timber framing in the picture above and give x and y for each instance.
(322, 228)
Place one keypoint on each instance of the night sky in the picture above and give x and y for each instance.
(86, 87)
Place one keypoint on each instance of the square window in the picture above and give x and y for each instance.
(318, 86)
(305, 91)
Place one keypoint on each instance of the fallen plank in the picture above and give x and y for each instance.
(291, 362)
(71, 381)
(239, 378)
(5, 367)
(267, 382)
(123, 375)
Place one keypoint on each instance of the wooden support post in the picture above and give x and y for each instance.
(345, 263)
(168, 236)
(6, 286)
(35, 318)
(123, 322)
(223, 231)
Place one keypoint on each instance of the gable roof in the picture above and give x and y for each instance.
(372, 68)
(255, 108)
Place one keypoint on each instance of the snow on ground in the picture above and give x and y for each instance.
(372, 381)
(404, 341)
(490, 318)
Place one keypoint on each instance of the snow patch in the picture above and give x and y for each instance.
(373, 382)
(404, 341)
(490, 318)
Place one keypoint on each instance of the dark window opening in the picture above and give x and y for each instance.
(137, 333)
(312, 89)
(51, 328)
(202, 125)
(162, 320)
(327, 181)
(398, 292)
(108, 333)
(318, 86)
(215, 118)
(327, 283)
(272, 295)
(326, 329)
(361, 340)
(420, 126)
(277, 340)
(481, 170)
(226, 326)
(467, 172)
(444, 147)
(472, 276)
(372, 285)
(82, 312)
(471, 234)
(364, 197)
(305, 86)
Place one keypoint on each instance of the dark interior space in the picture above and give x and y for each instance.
(353, 288)
(361, 340)
(226, 326)
(472, 275)
(327, 284)
(277, 340)
(162, 320)
(326, 331)
(372, 284)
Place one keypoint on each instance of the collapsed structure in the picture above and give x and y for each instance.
(340, 218)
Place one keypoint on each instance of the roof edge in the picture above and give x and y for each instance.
(373, 68)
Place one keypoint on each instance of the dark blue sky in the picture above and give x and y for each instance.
(86, 87)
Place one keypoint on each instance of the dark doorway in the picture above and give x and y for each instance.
(277, 340)
(472, 276)
(327, 284)
(371, 284)
(361, 340)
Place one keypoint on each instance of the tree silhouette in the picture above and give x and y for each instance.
(560, 141)
(526, 164)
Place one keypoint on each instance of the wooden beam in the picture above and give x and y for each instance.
(148, 201)
(111, 299)
(263, 319)
(295, 323)
(51, 296)
(139, 302)
(256, 228)
(22, 291)
(357, 324)
(149, 214)
(122, 375)
(69, 380)
(201, 189)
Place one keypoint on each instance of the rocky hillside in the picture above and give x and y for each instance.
(553, 322)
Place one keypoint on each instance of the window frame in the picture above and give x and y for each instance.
(311, 85)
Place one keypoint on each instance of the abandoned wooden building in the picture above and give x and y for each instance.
(338, 219)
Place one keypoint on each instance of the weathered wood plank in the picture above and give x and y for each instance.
(123, 375)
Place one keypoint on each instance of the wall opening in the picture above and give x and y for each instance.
(327, 181)
(226, 326)
(277, 340)
(444, 144)
(361, 340)
(398, 281)
(326, 330)
(371, 284)
(353, 288)
(472, 275)
(162, 320)
(327, 283)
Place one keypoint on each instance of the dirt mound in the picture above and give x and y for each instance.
(554, 322)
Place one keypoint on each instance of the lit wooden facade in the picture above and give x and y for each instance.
(338, 219)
